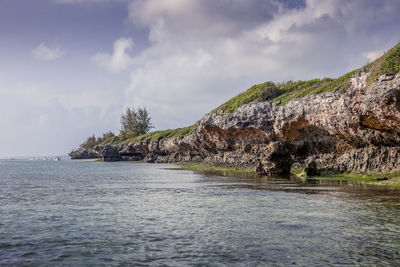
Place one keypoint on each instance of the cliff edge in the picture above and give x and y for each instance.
(347, 124)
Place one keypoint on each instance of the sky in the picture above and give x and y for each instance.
(69, 68)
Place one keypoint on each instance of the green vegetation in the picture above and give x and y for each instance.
(167, 134)
(391, 179)
(256, 93)
(392, 61)
(92, 141)
(298, 172)
(113, 140)
(365, 178)
(389, 63)
(218, 170)
(292, 90)
(135, 123)
(342, 83)
(284, 92)
(151, 136)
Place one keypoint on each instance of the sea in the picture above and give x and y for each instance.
(78, 213)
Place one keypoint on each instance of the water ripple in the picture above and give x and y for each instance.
(85, 213)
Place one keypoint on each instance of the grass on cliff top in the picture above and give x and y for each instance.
(257, 93)
(151, 136)
(284, 92)
(113, 140)
(165, 134)
(389, 63)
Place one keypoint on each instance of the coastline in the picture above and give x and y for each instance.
(343, 129)
(385, 179)
(89, 160)
(216, 170)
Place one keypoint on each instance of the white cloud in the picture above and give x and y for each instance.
(47, 53)
(210, 18)
(120, 59)
(204, 52)
(372, 55)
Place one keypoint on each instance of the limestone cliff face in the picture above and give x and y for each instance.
(354, 131)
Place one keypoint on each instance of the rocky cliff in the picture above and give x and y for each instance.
(356, 129)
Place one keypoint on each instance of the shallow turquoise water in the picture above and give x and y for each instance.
(92, 213)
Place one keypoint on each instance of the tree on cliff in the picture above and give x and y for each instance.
(92, 141)
(89, 143)
(104, 137)
(135, 123)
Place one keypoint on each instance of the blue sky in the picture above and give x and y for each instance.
(69, 68)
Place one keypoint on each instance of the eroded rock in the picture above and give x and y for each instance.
(85, 154)
(354, 131)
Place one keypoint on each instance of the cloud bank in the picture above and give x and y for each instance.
(204, 52)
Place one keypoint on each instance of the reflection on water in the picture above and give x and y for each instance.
(351, 189)
(94, 213)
